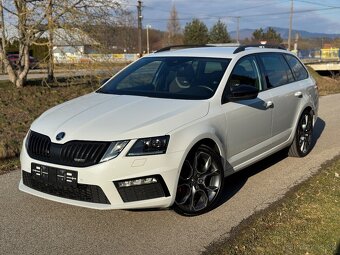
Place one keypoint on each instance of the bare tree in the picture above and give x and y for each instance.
(50, 27)
(32, 18)
(20, 13)
(83, 14)
(127, 31)
(174, 27)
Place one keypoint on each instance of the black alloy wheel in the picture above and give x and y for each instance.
(200, 182)
(303, 139)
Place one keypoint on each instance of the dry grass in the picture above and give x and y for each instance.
(306, 221)
(326, 85)
(7, 165)
(19, 107)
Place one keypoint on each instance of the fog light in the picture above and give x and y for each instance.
(146, 187)
(137, 182)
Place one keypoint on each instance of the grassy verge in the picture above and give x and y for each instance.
(7, 165)
(305, 221)
(326, 85)
(19, 107)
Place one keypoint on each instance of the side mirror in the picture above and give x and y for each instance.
(243, 92)
(104, 81)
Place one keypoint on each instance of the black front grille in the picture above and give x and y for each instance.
(73, 153)
(39, 145)
(81, 192)
(79, 153)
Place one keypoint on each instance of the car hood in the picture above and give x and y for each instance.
(103, 117)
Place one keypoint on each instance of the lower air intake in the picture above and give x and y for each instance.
(81, 192)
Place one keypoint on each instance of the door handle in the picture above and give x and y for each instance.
(298, 94)
(269, 104)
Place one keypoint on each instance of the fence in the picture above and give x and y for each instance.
(89, 58)
(321, 54)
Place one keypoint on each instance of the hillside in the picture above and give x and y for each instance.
(247, 33)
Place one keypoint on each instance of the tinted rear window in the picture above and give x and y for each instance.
(298, 69)
(277, 70)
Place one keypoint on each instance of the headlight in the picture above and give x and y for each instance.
(150, 146)
(114, 149)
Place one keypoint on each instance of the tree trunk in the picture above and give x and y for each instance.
(50, 69)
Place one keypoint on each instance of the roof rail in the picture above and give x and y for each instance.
(243, 47)
(183, 46)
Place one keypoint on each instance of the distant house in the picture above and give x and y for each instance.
(72, 43)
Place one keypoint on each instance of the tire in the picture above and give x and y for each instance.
(302, 143)
(200, 182)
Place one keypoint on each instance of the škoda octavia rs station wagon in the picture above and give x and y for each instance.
(168, 128)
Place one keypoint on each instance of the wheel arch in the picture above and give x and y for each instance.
(296, 121)
(194, 138)
(208, 142)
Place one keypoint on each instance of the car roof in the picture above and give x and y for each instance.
(213, 52)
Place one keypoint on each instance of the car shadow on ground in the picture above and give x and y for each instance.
(319, 126)
(235, 182)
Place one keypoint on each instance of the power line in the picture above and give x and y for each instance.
(217, 15)
(253, 7)
(252, 15)
(314, 3)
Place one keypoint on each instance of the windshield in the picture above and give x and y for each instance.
(169, 77)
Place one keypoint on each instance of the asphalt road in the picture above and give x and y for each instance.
(30, 225)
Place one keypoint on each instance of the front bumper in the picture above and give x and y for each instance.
(104, 175)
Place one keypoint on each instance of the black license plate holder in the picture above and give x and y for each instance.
(54, 176)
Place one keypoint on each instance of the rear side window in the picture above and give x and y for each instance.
(277, 71)
(299, 71)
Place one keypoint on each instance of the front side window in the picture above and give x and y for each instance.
(277, 71)
(169, 77)
(245, 72)
(299, 71)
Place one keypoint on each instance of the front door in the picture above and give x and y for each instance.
(248, 122)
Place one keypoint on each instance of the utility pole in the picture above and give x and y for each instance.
(139, 12)
(296, 42)
(147, 39)
(290, 23)
(238, 29)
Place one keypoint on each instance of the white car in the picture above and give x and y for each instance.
(168, 128)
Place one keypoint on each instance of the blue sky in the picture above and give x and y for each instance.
(253, 13)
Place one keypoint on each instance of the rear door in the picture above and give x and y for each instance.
(286, 94)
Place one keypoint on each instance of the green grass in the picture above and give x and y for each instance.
(305, 221)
